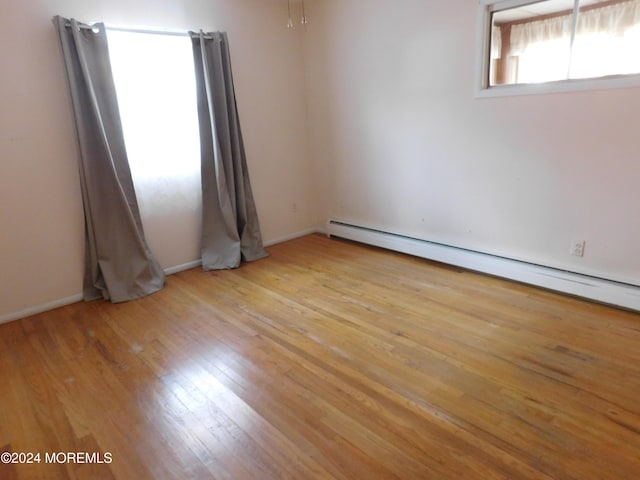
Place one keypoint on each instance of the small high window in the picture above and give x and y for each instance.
(533, 42)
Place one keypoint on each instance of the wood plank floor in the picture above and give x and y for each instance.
(326, 360)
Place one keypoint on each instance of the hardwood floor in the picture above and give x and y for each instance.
(326, 360)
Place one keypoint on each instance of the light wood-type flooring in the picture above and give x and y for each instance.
(327, 360)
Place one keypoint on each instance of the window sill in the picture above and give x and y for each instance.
(561, 86)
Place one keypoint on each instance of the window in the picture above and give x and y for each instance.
(156, 89)
(561, 42)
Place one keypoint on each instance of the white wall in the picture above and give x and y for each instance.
(41, 236)
(401, 143)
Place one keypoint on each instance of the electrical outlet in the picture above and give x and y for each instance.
(294, 207)
(577, 248)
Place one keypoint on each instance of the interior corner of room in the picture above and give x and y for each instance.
(364, 114)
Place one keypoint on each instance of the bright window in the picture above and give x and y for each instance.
(156, 89)
(559, 40)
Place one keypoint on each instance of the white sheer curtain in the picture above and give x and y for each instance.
(606, 42)
(496, 42)
(524, 36)
(542, 48)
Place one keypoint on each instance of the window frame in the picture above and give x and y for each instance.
(484, 90)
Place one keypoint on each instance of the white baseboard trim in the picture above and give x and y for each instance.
(183, 267)
(268, 243)
(293, 236)
(9, 317)
(62, 302)
(592, 288)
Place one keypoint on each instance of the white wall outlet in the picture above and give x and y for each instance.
(577, 248)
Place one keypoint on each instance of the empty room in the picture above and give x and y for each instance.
(304, 239)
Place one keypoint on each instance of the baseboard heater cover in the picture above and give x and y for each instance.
(592, 288)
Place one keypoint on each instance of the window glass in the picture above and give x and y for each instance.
(156, 89)
(553, 40)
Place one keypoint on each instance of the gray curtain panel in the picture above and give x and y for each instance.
(119, 265)
(230, 232)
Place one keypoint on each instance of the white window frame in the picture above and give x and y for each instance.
(484, 90)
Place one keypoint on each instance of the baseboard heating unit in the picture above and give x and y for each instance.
(585, 286)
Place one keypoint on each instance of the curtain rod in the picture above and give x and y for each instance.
(149, 31)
